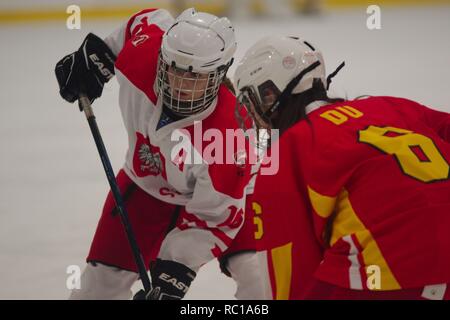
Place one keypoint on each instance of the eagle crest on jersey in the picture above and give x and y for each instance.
(148, 160)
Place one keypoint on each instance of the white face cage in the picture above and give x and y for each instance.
(186, 92)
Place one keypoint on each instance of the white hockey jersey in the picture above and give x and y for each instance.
(212, 193)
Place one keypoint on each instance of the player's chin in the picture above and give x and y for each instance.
(190, 98)
(183, 97)
(184, 100)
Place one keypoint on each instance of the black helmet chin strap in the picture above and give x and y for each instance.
(294, 82)
(288, 90)
(334, 73)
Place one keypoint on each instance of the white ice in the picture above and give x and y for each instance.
(52, 182)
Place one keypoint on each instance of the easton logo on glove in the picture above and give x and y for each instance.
(101, 66)
(177, 284)
(85, 70)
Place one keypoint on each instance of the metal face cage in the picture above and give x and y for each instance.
(186, 92)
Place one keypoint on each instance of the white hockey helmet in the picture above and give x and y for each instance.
(199, 47)
(276, 66)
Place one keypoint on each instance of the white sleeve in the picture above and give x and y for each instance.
(116, 40)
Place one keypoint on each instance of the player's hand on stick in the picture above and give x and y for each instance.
(85, 70)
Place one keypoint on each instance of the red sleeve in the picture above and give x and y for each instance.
(440, 121)
(437, 120)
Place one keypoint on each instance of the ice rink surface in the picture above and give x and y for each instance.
(52, 182)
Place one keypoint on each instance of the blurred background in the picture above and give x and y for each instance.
(52, 184)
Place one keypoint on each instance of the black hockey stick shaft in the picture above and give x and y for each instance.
(85, 106)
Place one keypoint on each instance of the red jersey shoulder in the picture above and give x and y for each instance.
(137, 21)
(338, 125)
(138, 59)
(223, 116)
(378, 110)
(220, 128)
(233, 174)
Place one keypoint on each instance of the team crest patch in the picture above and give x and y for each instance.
(147, 159)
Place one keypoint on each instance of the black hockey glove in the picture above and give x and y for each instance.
(170, 281)
(87, 69)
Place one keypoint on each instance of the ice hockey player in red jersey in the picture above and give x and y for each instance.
(368, 179)
(185, 208)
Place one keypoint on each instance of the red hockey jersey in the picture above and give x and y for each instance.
(288, 250)
(375, 175)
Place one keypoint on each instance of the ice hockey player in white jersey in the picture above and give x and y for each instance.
(185, 201)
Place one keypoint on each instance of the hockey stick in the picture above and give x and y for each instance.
(85, 105)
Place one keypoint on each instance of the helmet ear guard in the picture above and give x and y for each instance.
(267, 114)
(288, 90)
(294, 67)
(315, 93)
